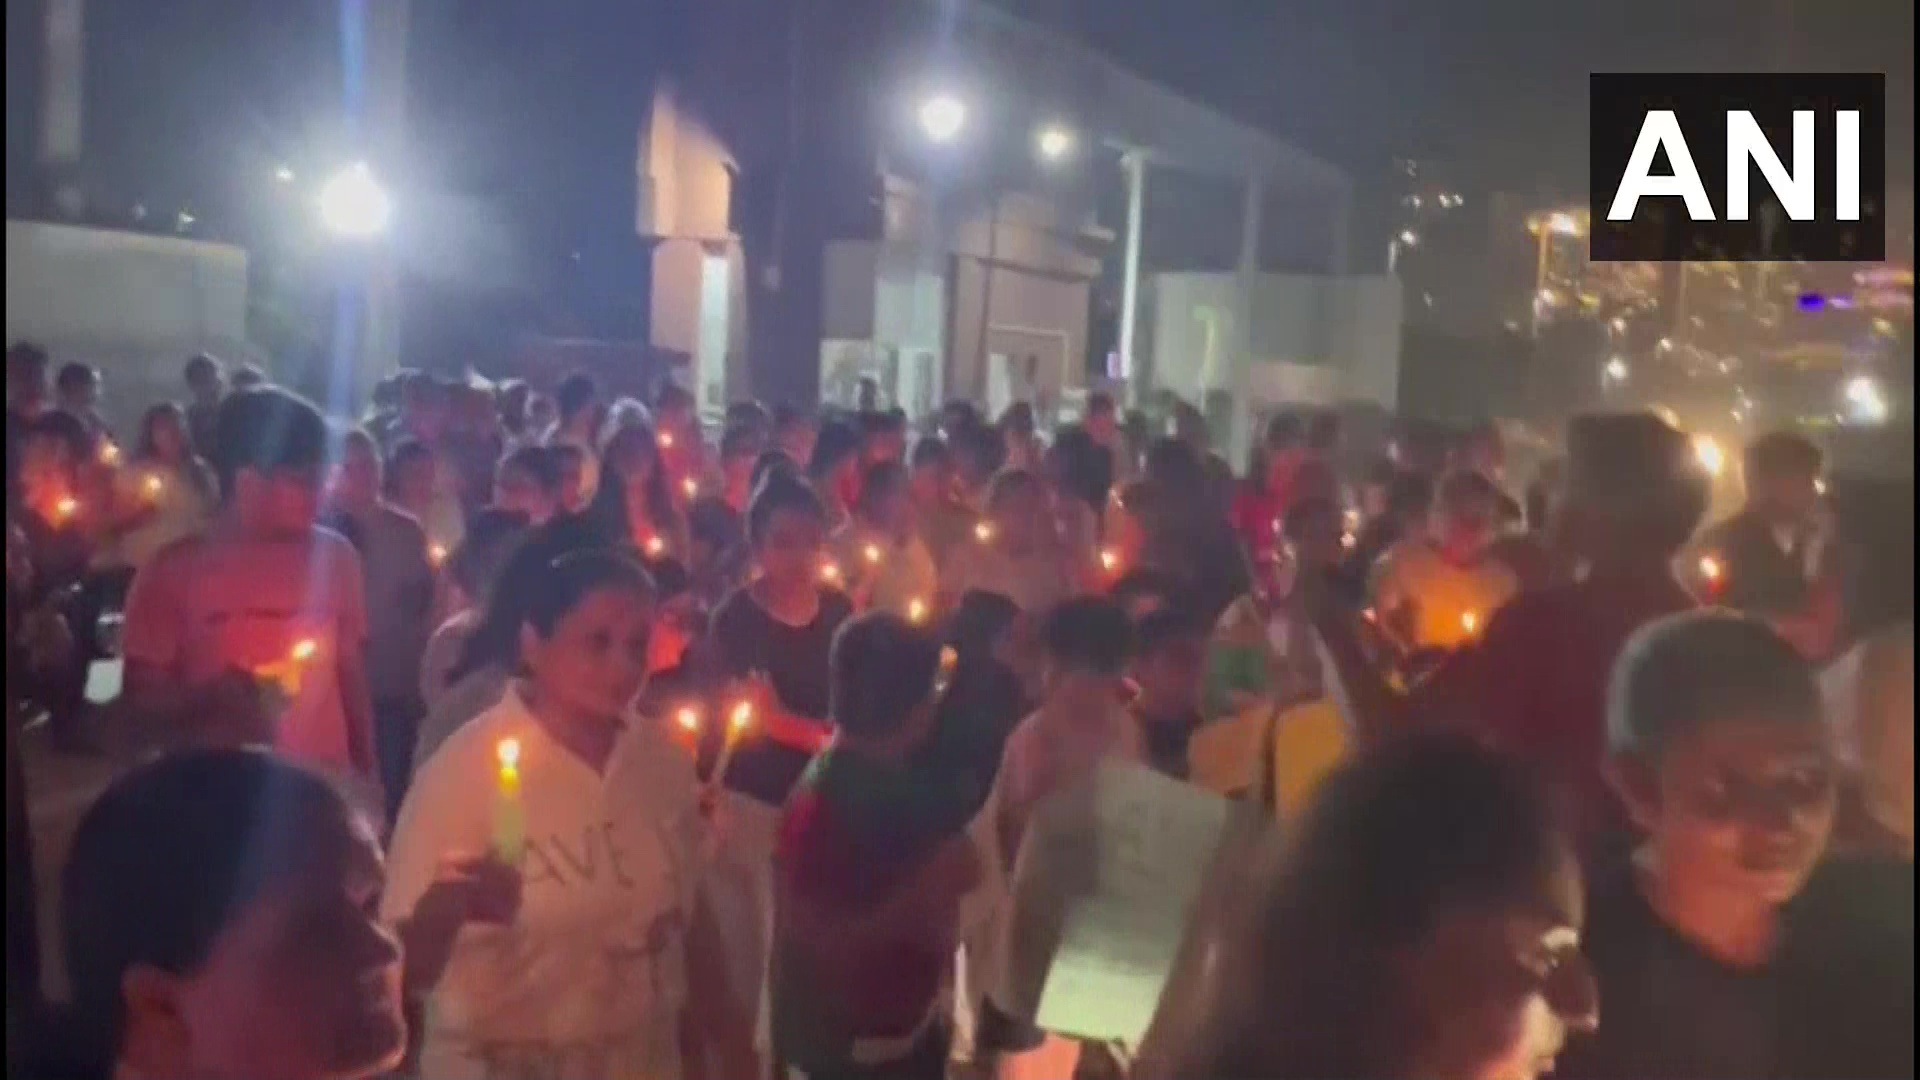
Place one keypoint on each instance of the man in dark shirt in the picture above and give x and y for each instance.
(871, 862)
(1763, 553)
(206, 386)
(1720, 950)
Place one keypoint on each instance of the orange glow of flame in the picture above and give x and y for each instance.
(66, 507)
(304, 650)
(916, 610)
(872, 553)
(656, 547)
(666, 440)
(109, 454)
(741, 718)
(154, 485)
(1109, 560)
(1470, 622)
(830, 573)
(437, 554)
(690, 486)
(983, 532)
(507, 752)
(689, 719)
(1711, 570)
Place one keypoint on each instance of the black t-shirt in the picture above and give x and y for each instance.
(746, 639)
(1837, 1001)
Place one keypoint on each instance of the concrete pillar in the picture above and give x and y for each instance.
(1134, 164)
(1247, 278)
(62, 82)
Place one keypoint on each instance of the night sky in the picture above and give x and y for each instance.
(1496, 85)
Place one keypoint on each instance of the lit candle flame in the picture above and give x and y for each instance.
(1348, 540)
(689, 719)
(66, 507)
(872, 553)
(109, 453)
(304, 650)
(830, 573)
(916, 610)
(666, 440)
(1710, 568)
(1470, 622)
(983, 532)
(690, 486)
(741, 718)
(656, 547)
(507, 751)
(1109, 560)
(154, 485)
(436, 554)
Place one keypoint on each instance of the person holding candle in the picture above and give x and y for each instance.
(252, 950)
(872, 861)
(834, 470)
(77, 393)
(1429, 588)
(1729, 945)
(166, 493)
(635, 508)
(260, 587)
(1016, 550)
(772, 636)
(879, 549)
(64, 516)
(578, 945)
(943, 520)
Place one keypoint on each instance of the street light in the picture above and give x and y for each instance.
(1564, 224)
(942, 116)
(1053, 142)
(354, 205)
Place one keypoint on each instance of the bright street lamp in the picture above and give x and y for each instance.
(354, 205)
(1564, 224)
(1053, 142)
(942, 116)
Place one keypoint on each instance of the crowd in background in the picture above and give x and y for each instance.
(1563, 775)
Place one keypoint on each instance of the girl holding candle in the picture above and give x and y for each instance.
(774, 633)
(166, 494)
(605, 967)
(635, 506)
(879, 549)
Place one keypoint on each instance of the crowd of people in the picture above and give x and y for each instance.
(516, 732)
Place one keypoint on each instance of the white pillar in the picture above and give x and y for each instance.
(1135, 166)
(1247, 277)
(62, 84)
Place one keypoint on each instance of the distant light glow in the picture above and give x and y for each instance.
(1617, 370)
(1865, 401)
(283, 174)
(354, 205)
(1564, 224)
(1409, 238)
(1711, 457)
(942, 116)
(1054, 142)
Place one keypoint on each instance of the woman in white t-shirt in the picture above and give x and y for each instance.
(558, 933)
(166, 493)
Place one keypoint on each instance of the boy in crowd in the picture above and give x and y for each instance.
(398, 573)
(944, 521)
(1169, 666)
(1722, 951)
(872, 861)
(77, 393)
(1767, 557)
(206, 383)
(256, 631)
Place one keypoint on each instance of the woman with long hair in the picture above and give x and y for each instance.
(635, 506)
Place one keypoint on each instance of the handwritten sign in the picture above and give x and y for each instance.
(1103, 889)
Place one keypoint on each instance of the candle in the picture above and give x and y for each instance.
(287, 675)
(655, 547)
(688, 718)
(1109, 560)
(830, 573)
(154, 485)
(872, 553)
(109, 453)
(509, 811)
(690, 486)
(666, 440)
(1710, 570)
(436, 554)
(983, 532)
(916, 611)
(943, 676)
(65, 508)
(739, 722)
(1470, 623)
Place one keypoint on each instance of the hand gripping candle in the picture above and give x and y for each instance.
(509, 811)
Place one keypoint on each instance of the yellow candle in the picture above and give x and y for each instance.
(510, 812)
(916, 611)
(688, 719)
(154, 485)
(1470, 623)
(1710, 569)
(739, 722)
(65, 508)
